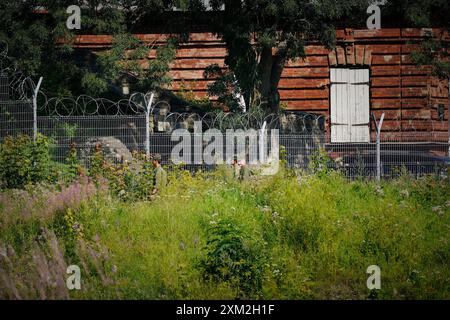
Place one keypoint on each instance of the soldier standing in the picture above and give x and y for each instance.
(159, 174)
(244, 172)
(236, 169)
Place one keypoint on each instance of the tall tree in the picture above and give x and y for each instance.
(434, 48)
(32, 30)
(262, 35)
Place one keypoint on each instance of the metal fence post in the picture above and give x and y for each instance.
(35, 93)
(147, 126)
(262, 149)
(378, 127)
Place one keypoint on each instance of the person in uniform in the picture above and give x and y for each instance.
(159, 174)
(244, 171)
(236, 169)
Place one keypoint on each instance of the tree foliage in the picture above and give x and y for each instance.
(40, 44)
(24, 161)
(262, 35)
(435, 48)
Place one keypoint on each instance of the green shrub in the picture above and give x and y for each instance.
(129, 183)
(321, 163)
(72, 168)
(231, 256)
(22, 161)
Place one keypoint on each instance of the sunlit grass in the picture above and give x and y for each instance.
(315, 238)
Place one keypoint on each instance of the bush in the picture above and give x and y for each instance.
(22, 161)
(321, 164)
(231, 256)
(129, 183)
(278, 237)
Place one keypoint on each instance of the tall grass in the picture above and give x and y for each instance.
(289, 236)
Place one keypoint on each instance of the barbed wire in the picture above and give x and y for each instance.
(137, 103)
(14, 85)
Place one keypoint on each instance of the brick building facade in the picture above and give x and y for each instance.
(410, 97)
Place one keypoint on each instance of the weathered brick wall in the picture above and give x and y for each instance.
(406, 93)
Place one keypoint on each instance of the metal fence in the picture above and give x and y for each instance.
(121, 135)
(118, 135)
(140, 124)
(419, 152)
(427, 153)
(16, 117)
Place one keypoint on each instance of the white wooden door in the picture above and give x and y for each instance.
(349, 105)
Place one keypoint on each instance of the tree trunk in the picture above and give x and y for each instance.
(277, 69)
(270, 69)
(265, 71)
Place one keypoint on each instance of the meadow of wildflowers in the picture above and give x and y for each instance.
(293, 235)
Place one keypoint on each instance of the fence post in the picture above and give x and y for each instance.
(378, 128)
(35, 93)
(262, 149)
(147, 126)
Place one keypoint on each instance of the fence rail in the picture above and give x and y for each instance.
(418, 152)
(138, 125)
(421, 153)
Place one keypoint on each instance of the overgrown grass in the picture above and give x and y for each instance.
(289, 236)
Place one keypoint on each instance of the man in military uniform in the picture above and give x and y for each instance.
(244, 171)
(159, 174)
(235, 169)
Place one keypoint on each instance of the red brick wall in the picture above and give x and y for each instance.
(406, 93)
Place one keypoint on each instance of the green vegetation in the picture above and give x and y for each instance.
(293, 235)
(23, 162)
(38, 43)
(260, 37)
(434, 49)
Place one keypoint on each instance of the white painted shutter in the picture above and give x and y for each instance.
(349, 105)
(360, 121)
(339, 105)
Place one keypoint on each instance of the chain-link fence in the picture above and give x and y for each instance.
(139, 124)
(16, 117)
(120, 135)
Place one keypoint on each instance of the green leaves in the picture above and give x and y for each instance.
(157, 73)
(434, 52)
(223, 87)
(233, 257)
(129, 57)
(41, 45)
(93, 85)
(262, 35)
(119, 59)
(23, 162)
(435, 48)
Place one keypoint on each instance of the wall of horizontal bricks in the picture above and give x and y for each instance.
(407, 94)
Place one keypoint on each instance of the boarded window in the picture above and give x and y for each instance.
(349, 96)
